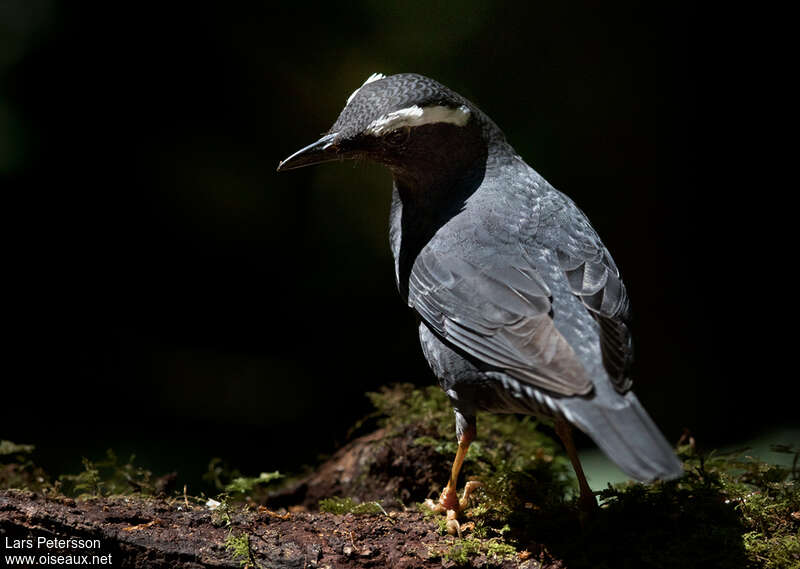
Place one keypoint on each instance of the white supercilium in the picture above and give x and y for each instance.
(417, 116)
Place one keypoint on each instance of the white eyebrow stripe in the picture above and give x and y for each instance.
(417, 116)
(370, 79)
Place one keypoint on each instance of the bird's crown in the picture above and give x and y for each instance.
(384, 104)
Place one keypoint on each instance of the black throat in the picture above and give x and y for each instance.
(441, 168)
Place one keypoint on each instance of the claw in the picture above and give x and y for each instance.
(435, 507)
(451, 506)
(453, 527)
(469, 488)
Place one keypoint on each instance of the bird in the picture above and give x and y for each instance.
(520, 306)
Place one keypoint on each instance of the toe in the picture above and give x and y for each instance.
(468, 489)
(435, 507)
(453, 527)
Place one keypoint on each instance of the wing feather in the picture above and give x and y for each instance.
(500, 315)
(594, 278)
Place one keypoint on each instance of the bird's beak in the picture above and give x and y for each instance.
(323, 150)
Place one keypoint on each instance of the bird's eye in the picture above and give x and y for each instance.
(398, 137)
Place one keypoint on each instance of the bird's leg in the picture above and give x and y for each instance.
(449, 502)
(449, 498)
(587, 500)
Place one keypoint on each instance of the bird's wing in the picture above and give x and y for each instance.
(594, 278)
(500, 315)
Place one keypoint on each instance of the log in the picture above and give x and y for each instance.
(163, 533)
(174, 532)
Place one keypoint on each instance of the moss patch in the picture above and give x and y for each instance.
(239, 547)
(108, 477)
(474, 551)
(728, 511)
(341, 506)
(17, 469)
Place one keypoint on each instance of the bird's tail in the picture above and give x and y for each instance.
(627, 434)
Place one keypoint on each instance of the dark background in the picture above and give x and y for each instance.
(170, 294)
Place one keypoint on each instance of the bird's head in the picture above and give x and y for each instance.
(408, 122)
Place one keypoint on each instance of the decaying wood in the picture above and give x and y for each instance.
(158, 533)
(165, 532)
(376, 466)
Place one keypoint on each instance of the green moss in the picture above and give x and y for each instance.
(240, 487)
(8, 448)
(108, 477)
(17, 469)
(246, 485)
(342, 506)
(480, 529)
(441, 523)
(515, 462)
(728, 511)
(221, 515)
(239, 546)
(498, 549)
(463, 551)
(401, 405)
(767, 497)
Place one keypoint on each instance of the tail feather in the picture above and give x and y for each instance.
(627, 435)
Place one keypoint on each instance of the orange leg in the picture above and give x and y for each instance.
(587, 500)
(449, 502)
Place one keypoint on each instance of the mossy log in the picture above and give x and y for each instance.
(156, 532)
(728, 511)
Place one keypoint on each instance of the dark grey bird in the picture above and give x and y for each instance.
(521, 307)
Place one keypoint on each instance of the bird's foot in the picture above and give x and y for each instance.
(450, 505)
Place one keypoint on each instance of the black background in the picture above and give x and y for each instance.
(170, 294)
